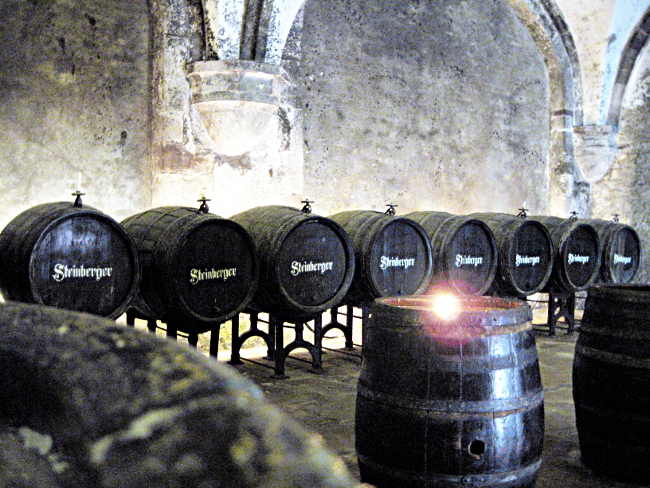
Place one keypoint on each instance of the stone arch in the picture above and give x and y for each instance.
(631, 53)
(548, 29)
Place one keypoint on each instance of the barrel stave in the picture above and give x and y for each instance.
(611, 383)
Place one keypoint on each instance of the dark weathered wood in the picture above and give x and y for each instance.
(306, 261)
(393, 255)
(611, 381)
(429, 410)
(577, 253)
(465, 257)
(526, 254)
(198, 269)
(621, 251)
(76, 258)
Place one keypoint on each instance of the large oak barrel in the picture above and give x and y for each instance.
(464, 250)
(198, 269)
(611, 381)
(449, 402)
(526, 254)
(306, 260)
(577, 253)
(621, 251)
(393, 255)
(67, 256)
(106, 406)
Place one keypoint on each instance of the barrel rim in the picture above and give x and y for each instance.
(621, 290)
(502, 312)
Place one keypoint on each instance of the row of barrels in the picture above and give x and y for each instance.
(196, 269)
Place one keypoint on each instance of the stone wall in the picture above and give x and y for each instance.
(625, 189)
(430, 105)
(74, 99)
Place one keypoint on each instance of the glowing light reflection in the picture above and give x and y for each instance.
(446, 306)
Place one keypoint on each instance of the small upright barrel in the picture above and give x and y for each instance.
(526, 254)
(611, 381)
(393, 255)
(464, 249)
(621, 251)
(71, 257)
(451, 402)
(198, 269)
(306, 261)
(577, 253)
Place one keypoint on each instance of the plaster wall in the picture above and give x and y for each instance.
(74, 100)
(430, 105)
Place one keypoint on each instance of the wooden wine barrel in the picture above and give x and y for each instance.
(464, 250)
(611, 381)
(621, 251)
(123, 409)
(577, 253)
(306, 261)
(429, 410)
(526, 254)
(393, 255)
(198, 269)
(67, 256)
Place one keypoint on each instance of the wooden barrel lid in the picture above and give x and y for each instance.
(307, 261)
(393, 255)
(464, 249)
(526, 254)
(578, 253)
(198, 269)
(75, 258)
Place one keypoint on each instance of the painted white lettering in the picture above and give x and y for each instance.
(521, 260)
(63, 271)
(577, 258)
(468, 260)
(396, 262)
(622, 259)
(197, 275)
(310, 267)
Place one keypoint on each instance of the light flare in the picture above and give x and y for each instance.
(446, 306)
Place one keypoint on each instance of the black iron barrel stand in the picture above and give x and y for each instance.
(274, 339)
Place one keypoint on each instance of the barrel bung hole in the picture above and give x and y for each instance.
(477, 448)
